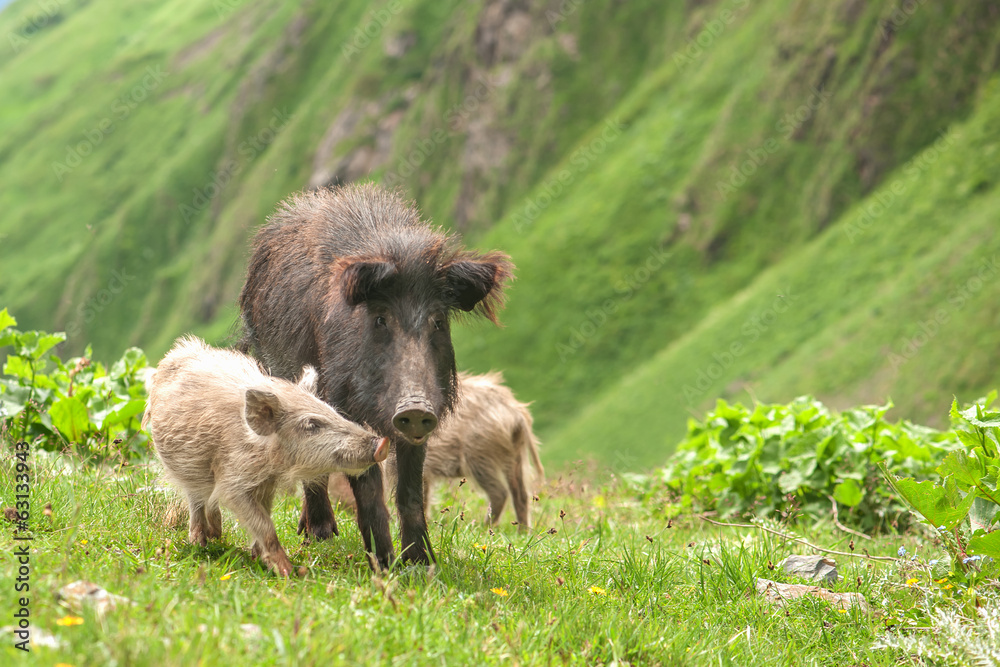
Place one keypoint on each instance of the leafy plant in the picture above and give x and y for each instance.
(964, 499)
(740, 461)
(78, 402)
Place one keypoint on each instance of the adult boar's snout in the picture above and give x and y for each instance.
(415, 421)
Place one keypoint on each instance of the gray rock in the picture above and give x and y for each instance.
(813, 568)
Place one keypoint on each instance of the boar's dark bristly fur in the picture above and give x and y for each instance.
(353, 282)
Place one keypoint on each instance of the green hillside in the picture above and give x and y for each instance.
(729, 199)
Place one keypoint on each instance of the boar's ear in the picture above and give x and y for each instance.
(361, 279)
(477, 282)
(308, 379)
(263, 411)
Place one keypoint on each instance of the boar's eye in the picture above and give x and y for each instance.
(438, 324)
(380, 321)
(313, 425)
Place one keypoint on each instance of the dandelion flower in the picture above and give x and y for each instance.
(499, 591)
(841, 611)
(481, 546)
(83, 542)
(912, 582)
(596, 590)
(226, 576)
(69, 620)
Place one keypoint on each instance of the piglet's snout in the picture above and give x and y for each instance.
(381, 449)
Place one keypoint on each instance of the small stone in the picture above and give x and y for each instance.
(779, 595)
(813, 568)
(78, 593)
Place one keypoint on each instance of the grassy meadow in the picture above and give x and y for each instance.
(602, 577)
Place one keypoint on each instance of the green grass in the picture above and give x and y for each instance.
(659, 601)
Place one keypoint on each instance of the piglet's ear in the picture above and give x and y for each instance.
(478, 282)
(362, 279)
(263, 411)
(308, 379)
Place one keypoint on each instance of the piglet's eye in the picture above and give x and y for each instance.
(380, 321)
(313, 425)
(438, 325)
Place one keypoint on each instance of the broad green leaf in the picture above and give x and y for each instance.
(18, 367)
(969, 439)
(985, 545)
(981, 514)
(69, 417)
(848, 493)
(13, 398)
(27, 344)
(965, 469)
(46, 342)
(124, 413)
(939, 505)
(975, 415)
(790, 481)
(6, 320)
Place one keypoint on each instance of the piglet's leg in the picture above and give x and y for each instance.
(317, 514)
(519, 493)
(410, 503)
(254, 515)
(213, 521)
(485, 474)
(198, 527)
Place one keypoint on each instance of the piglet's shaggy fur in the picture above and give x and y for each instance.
(229, 434)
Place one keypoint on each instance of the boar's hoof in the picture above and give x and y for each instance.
(319, 529)
(415, 424)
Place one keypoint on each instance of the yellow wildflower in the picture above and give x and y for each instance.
(499, 591)
(596, 590)
(912, 582)
(226, 576)
(69, 620)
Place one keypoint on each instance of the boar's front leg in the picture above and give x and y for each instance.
(373, 517)
(317, 514)
(416, 545)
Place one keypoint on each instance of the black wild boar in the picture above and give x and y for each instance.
(350, 280)
(227, 433)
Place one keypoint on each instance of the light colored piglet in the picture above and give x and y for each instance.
(229, 434)
(488, 438)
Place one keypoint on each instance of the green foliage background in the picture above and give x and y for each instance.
(853, 259)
